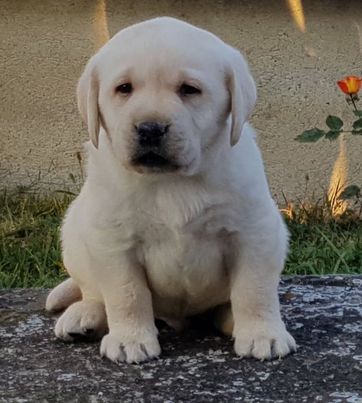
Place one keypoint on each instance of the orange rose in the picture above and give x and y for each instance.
(350, 85)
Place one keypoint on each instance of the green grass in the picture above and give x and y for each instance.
(325, 248)
(29, 240)
(30, 250)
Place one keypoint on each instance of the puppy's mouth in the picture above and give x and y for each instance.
(152, 161)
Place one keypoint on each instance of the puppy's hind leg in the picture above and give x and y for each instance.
(83, 320)
(63, 295)
(84, 317)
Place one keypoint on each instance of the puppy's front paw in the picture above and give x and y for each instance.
(263, 340)
(119, 348)
(82, 320)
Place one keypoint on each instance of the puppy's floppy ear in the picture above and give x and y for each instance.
(87, 96)
(242, 90)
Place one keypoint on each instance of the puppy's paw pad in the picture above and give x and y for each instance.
(116, 349)
(284, 346)
(264, 342)
(60, 332)
(81, 321)
(112, 348)
(262, 349)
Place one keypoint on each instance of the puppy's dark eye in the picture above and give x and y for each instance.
(187, 89)
(125, 88)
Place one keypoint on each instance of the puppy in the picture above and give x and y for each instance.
(175, 217)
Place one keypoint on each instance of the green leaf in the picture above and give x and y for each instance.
(349, 192)
(334, 122)
(333, 135)
(357, 124)
(310, 136)
(358, 113)
(357, 132)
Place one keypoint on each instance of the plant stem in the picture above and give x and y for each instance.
(352, 100)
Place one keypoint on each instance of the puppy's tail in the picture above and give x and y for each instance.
(63, 295)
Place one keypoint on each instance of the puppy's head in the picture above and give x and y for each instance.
(164, 91)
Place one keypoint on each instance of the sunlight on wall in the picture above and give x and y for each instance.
(100, 24)
(297, 13)
(338, 181)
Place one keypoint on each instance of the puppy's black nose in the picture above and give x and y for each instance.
(150, 134)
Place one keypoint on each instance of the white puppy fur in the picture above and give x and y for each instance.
(171, 240)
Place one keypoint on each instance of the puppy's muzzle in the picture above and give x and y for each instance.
(151, 146)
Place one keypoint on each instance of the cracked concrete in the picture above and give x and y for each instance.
(324, 314)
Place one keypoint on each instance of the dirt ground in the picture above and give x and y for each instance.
(45, 45)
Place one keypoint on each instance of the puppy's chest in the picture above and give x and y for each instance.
(185, 265)
(186, 245)
(186, 268)
(181, 240)
(186, 253)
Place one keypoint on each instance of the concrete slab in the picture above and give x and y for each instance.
(323, 313)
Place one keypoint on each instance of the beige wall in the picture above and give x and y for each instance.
(45, 44)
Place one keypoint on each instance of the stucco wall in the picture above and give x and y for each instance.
(45, 45)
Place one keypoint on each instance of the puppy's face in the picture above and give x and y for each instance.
(163, 91)
(160, 110)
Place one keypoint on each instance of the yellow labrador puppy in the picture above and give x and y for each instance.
(175, 217)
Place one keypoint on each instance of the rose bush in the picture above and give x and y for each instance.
(350, 86)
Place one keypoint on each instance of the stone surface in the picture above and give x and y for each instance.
(45, 45)
(323, 313)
